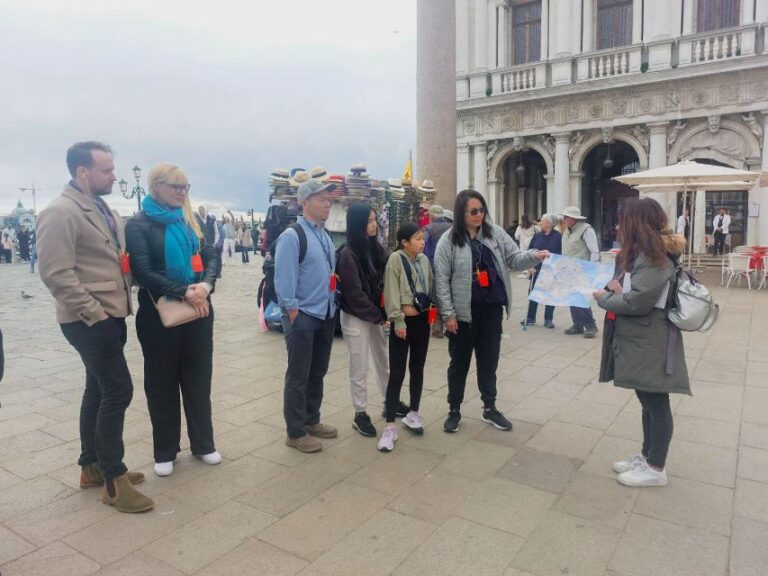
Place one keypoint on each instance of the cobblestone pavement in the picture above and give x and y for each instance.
(541, 500)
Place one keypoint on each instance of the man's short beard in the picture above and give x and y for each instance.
(104, 192)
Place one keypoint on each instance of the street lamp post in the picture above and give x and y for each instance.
(137, 191)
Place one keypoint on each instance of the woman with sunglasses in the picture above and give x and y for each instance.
(472, 265)
(170, 257)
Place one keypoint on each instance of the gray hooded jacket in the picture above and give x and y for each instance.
(453, 271)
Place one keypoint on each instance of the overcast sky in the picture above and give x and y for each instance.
(228, 90)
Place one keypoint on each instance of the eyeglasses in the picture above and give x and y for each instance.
(179, 187)
(476, 211)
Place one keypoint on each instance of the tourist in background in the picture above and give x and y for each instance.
(230, 239)
(361, 275)
(525, 231)
(7, 244)
(84, 265)
(472, 268)
(306, 293)
(245, 241)
(23, 240)
(580, 241)
(170, 257)
(721, 226)
(432, 234)
(408, 295)
(549, 239)
(32, 250)
(642, 349)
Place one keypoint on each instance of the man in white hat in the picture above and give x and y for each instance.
(305, 283)
(580, 241)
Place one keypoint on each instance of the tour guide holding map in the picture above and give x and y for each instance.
(580, 241)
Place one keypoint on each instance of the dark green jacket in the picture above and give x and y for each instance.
(642, 350)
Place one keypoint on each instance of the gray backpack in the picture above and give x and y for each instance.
(693, 309)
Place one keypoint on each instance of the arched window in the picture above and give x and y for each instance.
(717, 14)
(614, 23)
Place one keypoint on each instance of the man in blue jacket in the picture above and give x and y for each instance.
(305, 283)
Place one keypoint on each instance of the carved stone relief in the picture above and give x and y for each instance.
(754, 125)
(714, 123)
(674, 131)
(641, 133)
(607, 134)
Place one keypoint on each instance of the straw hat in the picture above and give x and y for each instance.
(426, 186)
(318, 173)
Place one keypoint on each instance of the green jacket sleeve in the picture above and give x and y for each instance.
(648, 282)
(392, 304)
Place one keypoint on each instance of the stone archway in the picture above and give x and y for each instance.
(727, 142)
(577, 159)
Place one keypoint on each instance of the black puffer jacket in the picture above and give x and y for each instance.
(145, 243)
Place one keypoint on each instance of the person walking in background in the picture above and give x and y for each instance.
(84, 265)
(642, 349)
(580, 241)
(408, 296)
(684, 224)
(245, 241)
(549, 239)
(721, 226)
(473, 288)
(432, 234)
(6, 244)
(32, 250)
(305, 283)
(171, 258)
(525, 231)
(361, 275)
(230, 239)
(23, 239)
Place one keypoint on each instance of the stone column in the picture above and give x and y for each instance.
(575, 199)
(436, 96)
(560, 197)
(657, 158)
(699, 220)
(462, 169)
(494, 205)
(481, 36)
(762, 221)
(502, 41)
(480, 161)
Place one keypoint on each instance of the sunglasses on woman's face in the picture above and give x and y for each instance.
(179, 187)
(476, 211)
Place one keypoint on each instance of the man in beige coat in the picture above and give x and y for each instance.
(80, 244)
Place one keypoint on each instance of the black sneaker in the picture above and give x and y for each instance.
(451, 424)
(573, 330)
(362, 423)
(493, 416)
(590, 332)
(549, 324)
(527, 322)
(400, 412)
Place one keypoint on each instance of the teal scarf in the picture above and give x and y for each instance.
(180, 241)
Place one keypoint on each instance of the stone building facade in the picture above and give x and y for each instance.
(556, 97)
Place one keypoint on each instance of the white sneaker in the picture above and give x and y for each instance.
(212, 458)
(413, 421)
(627, 465)
(388, 439)
(163, 468)
(643, 475)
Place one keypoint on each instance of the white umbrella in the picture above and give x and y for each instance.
(688, 174)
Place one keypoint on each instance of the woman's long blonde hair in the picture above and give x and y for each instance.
(165, 173)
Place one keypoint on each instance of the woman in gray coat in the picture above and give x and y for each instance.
(642, 349)
(472, 288)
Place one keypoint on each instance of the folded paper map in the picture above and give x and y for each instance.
(565, 281)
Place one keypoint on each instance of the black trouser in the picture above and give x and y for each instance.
(308, 340)
(7, 254)
(219, 252)
(533, 307)
(107, 395)
(417, 341)
(244, 254)
(177, 359)
(483, 336)
(657, 427)
(719, 242)
(582, 318)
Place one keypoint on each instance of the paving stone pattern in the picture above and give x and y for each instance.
(539, 501)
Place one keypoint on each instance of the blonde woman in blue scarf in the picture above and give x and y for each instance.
(169, 257)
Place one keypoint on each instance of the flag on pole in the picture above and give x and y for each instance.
(408, 172)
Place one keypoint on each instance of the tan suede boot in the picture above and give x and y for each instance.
(306, 444)
(322, 430)
(91, 476)
(121, 494)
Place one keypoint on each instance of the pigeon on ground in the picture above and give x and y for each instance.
(26, 296)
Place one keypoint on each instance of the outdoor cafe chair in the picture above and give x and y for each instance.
(763, 273)
(738, 267)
